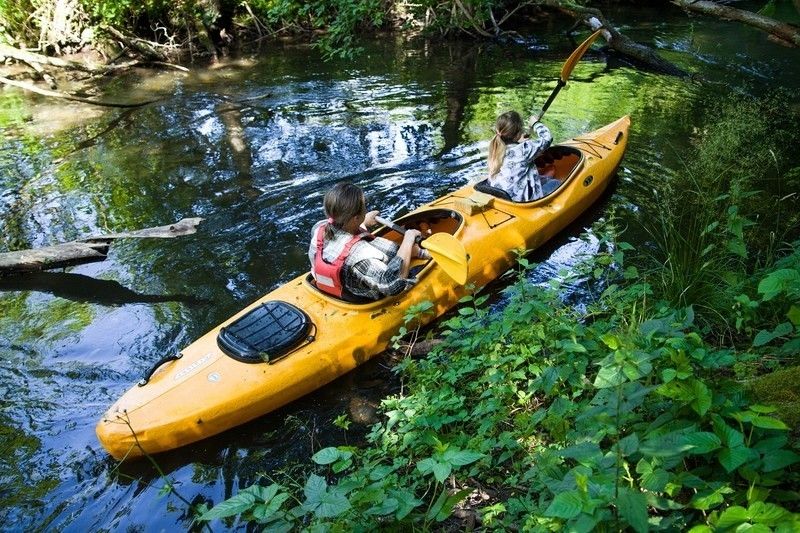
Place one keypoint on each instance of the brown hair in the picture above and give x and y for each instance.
(343, 202)
(507, 129)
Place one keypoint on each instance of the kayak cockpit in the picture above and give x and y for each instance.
(557, 162)
(428, 222)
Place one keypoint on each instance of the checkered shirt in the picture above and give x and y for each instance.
(371, 270)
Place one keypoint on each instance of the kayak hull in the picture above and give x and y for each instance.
(206, 392)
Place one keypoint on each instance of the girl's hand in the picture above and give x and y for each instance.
(369, 218)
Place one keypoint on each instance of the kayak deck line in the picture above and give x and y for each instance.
(206, 392)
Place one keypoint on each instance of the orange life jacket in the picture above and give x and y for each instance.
(329, 275)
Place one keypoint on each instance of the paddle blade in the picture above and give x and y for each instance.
(572, 60)
(449, 253)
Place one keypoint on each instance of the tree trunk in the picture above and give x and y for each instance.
(85, 250)
(785, 32)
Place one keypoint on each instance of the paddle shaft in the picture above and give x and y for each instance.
(566, 70)
(391, 225)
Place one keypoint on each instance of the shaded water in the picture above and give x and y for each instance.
(251, 147)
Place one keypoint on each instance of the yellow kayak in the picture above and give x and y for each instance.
(296, 339)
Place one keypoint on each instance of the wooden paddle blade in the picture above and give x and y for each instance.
(573, 59)
(449, 253)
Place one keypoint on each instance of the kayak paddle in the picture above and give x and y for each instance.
(446, 250)
(569, 65)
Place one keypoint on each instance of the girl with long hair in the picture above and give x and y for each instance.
(511, 158)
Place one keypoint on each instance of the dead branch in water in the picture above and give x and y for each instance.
(785, 33)
(85, 250)
(46, 92)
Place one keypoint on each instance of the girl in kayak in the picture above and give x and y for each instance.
(347, 261)
(511, 158)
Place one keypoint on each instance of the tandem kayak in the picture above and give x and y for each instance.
(296, 339)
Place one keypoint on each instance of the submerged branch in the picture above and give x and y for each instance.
(46, 92)
(85, 250)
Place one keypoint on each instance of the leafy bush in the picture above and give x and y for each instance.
(549, 419)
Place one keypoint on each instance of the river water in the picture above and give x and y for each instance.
(251, 146)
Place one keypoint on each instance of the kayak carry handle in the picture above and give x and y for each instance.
(163, 360)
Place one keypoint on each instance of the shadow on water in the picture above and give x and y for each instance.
(82, 288)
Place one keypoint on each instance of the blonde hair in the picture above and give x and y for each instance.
(507, 129)
(343, 202)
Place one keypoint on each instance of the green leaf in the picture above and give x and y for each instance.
(386, 506)
(777, 460)
(632, 506)
(461, 457)
(233, 506)
(767, 513)
(609, 376)
(629, 445)
(764, 337)
(733, 458)
(449, 504)
(441, 471)
(703, 442)
(610, 340)
(763, 409)
(794, 315)
(732, 517)
(326, 456)
(565, 505)
(702, 528)
(332, 504)
(655, 481)
(767, 422)
(264, 511)
(729, 436)
(315, 489)
(778, 282)
(702, 398)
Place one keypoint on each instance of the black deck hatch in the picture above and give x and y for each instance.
(268, 332)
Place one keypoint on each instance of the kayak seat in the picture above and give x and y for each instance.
(497, 192)
(270, 331)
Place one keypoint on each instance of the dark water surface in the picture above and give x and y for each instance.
(251, 147)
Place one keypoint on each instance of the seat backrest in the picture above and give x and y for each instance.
(484, 187)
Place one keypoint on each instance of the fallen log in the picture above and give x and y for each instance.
(784, 32)
(594, 19)
(86, 250)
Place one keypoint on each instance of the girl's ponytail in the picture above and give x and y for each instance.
(507, 129)
(497, 153)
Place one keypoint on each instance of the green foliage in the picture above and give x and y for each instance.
(617, 418)
(706, 242)
(341, 20)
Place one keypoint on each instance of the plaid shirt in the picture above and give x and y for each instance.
(518, 175)
(371, 270)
